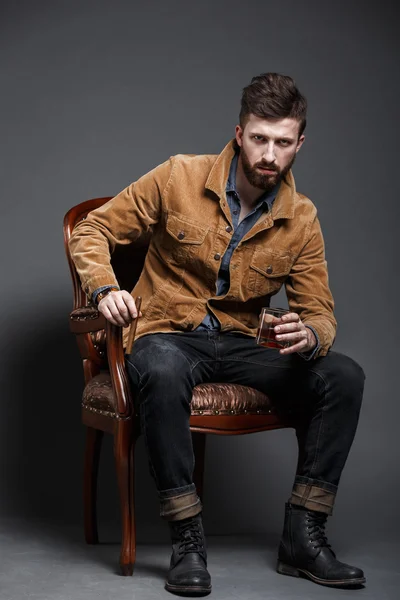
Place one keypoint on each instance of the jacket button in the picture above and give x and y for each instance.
(217, 256)
(189, 326)
(181, 235)
(228, 228)
(269, 269)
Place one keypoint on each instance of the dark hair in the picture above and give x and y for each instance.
(273, 96)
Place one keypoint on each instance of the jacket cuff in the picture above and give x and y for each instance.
(311, 353)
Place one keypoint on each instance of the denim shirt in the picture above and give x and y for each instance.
(240, 230)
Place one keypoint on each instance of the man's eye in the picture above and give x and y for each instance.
(284, 143)
(257, 137)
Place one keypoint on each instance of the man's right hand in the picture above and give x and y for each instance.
(119, 308)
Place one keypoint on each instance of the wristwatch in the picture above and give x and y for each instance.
(104, 293)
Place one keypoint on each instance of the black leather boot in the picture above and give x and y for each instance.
(304, 549)
(188, 573)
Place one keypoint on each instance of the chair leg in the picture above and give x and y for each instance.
(124, 452)
(199, 448)
(94, 438)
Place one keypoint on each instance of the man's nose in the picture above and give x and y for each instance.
(269, 153)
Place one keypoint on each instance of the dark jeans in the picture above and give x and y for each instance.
(163, 369)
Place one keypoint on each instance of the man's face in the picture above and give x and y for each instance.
(268, 149)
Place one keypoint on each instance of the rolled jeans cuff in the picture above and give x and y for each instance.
(314, 494)
(179, 503)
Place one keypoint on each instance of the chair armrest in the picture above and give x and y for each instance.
(119, 377)
(86, 319)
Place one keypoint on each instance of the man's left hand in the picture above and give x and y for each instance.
(292, 330)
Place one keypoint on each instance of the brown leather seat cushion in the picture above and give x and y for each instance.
(208, 398)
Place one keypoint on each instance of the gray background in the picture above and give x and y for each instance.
(94, 94)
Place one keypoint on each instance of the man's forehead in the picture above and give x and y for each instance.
(276, 127)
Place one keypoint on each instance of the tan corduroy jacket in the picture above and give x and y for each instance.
(183, 203)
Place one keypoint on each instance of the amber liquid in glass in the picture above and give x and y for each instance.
(267, 338)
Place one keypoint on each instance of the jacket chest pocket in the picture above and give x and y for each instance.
(184, 240)
(268, 271)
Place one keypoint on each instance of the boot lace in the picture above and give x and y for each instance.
(190, 539)
(316, 529)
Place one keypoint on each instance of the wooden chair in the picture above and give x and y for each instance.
(222, 409)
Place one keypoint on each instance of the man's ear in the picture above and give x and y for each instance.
(238, 135)
(300, 142)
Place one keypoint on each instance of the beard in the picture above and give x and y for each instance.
(260, 180)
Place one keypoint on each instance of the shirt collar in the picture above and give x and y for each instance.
(267, 198)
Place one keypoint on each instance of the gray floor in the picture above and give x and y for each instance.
(41, 561)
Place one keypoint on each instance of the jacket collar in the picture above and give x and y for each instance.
(283, 206)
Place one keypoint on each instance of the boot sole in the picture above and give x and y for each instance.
(188, 590)
(285, 569)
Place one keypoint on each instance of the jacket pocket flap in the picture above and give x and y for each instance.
(184, 232)
(276, 266)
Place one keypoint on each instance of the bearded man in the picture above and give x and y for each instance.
(227, 232)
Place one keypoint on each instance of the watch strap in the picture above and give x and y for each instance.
(105, 293)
